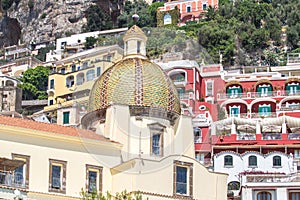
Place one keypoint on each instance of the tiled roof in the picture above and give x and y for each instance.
(52, 128)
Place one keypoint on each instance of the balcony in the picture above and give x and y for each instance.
(8, 175)
(253, 95)
(197, 139)
(179, 82)
(271, 178)
(263, 115)
(186, 96)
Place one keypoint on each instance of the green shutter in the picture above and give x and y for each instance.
(66, 117)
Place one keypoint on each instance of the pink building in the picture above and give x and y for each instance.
(190, 10)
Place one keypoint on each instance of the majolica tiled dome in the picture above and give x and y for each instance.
(134, 81)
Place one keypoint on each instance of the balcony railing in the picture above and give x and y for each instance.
(184, 96)
(198, 139)
(263, 115)
(14, 179)
(252, 95)
(271, 178)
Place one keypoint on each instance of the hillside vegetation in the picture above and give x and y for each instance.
(245, 32)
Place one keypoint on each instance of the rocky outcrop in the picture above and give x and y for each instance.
(42, 20)
(10, 31)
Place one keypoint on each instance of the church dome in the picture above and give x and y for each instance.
(134, 81)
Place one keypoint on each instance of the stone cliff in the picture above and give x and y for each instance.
(44, 20)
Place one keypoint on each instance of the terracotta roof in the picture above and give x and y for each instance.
(52, 128)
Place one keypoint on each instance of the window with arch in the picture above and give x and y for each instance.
(157, 139)
(228, 161)
(264, 196)
(252, 161)
(277, 161)
(197, 135)
(90, 75)
(80, 79)
(233, 185)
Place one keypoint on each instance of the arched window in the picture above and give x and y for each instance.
(90, 75)
(228, 161)
(80, 79)
(233, 185)
(69, 81)
(277, 161)
(252, 161)
(264, 196)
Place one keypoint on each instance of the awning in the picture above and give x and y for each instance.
(271, 129)
(10, 165)
(295, 130)
(247, 128)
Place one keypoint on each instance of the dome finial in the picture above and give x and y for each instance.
(135, 18)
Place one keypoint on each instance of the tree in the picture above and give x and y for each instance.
(124, 195)
(90, 42)
(35, 83)
(97, 19)
(139, 7)
(152, 11)
(6, 4)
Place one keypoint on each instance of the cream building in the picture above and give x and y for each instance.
(140, 141)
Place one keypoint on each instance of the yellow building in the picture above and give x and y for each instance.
(71, 79)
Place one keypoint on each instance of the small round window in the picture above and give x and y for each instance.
(202, 108)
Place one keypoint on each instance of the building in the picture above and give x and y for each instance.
(249, 123)
(190, 10)
(17, 59)
(10, 94)
(139, 136)
(71, 80)
(254, 136)
(75, 43)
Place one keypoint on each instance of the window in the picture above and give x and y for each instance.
(138, 46)
(296, 153)
(197, 135)
(276, 161)
(200, 157)
(294, 195)
(264, 196)
(228, 161)
(90, 75)
(21, 174)
(183, 178)
(84, 65)
(50, 102)
(233, 185)
(70, 81)
(264, 110)
(66, 117)
(209, 88)
(63, 70)
(73, 67)
(98, 71)
(204, 6)
(188, 8)
(156, 131)
(80, 79)
(234, 111)
(252, 161)
(94, 178)
(57, 176)
(52, 84)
